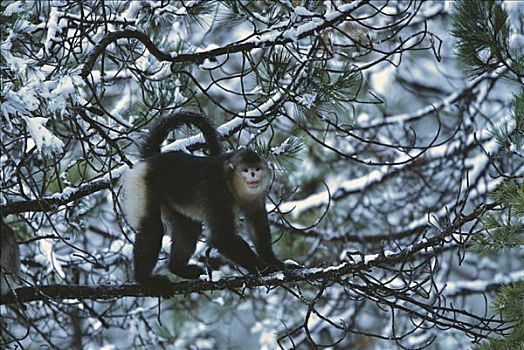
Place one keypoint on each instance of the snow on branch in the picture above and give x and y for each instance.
(271, 38)
(457, 288)
(362, 183)
(229, 128)
(444, 103)
(68, 195)
(46, 142)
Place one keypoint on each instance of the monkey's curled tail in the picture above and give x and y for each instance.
(161, 129)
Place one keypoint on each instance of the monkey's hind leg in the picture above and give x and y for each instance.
(184, 237)
(147, 244)
(142, 210)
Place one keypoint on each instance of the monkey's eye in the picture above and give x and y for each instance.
(245, 170)
(258, 169)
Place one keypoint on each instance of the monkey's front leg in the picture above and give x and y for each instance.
(258, 228)
(232, 246)
(236, 249)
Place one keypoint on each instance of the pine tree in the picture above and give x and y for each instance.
(483, 34)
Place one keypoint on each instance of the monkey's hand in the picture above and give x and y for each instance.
(272, 266)
(156, 283)
(189, 271)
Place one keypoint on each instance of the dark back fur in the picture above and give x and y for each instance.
(163, 126)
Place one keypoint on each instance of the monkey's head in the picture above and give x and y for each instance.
(249, 175)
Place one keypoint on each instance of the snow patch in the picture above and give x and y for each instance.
(302, 11)
(48, 258)
(45, 141)
(307, 100)
(14, 8)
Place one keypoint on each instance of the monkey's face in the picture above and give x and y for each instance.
(252, 176)
(249, 177)
(251, 180)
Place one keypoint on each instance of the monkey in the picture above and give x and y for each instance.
(9, 258)
(180, 191)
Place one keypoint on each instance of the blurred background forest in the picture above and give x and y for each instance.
(395, 130)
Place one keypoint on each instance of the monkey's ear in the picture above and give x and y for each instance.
(230, 166)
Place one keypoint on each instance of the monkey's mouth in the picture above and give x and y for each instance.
(252, 184)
